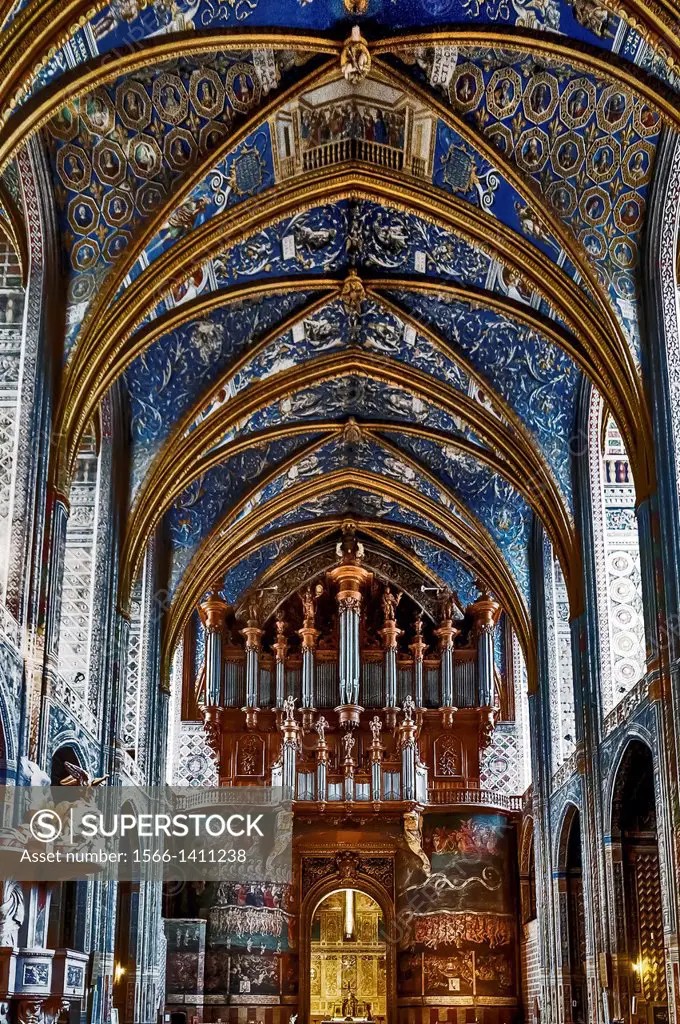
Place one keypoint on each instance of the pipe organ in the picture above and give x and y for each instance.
(350, 691)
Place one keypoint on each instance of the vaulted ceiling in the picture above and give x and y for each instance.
(347, 260)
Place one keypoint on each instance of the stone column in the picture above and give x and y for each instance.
(38, 711)
(281, 651)
(418, 648)
(253, 638)
(377, 750)
(485, 612)
(407, 745)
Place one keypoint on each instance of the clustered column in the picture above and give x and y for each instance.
(390, 634)
(322, 761)
(407, 745)
(350, 577)
(309, 635)
(377, 749)
(290, 746)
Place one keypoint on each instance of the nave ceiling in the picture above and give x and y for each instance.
(336, 279)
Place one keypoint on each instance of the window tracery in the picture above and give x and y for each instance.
(11, 320)
(79, 559)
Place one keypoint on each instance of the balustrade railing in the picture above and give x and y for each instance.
(626, 706)
(476, 797)
(340, 150)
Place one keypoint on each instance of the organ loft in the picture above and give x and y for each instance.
(371, 696)
(340, 477)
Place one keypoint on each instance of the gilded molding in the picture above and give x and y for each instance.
(477, 227)
(136, 536)
(189, 460)
(150, 228)
(41, 34)
(14, 228)
(522, 183)
(546, 45)
(214, 557)
(39, 109)
(586, 356)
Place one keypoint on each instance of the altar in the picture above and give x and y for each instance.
(348, 961)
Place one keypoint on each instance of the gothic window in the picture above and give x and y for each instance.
(11, 319)
(562, 720)
(131, 708)
(79, 560)
(618, 574)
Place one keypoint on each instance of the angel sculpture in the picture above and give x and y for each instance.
(289, 709)
(390, 602)
(78, 776)
(447, 606)
(376, 729)
(348, 743)
(320, 728)
(408, 709)
(308, 608)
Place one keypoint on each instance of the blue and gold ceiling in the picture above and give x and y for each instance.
(350, 259)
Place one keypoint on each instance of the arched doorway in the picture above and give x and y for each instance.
(348, 958)
(572, 907)
(638, 888)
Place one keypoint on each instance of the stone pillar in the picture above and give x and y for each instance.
(350, 577)
(38, 712)
(418, 648)
(407, 745)
(290, 746)
(253, 637)
(485, 612)
(281, 651)
(115, 699)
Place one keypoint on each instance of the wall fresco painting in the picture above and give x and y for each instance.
(460, 916)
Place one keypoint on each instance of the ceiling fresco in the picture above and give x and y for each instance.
(118, 153)
(208, 499)
(587, 144)
(536, 378)
(171, 375)
(126, 21)
(353, 120)
(213, 267)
